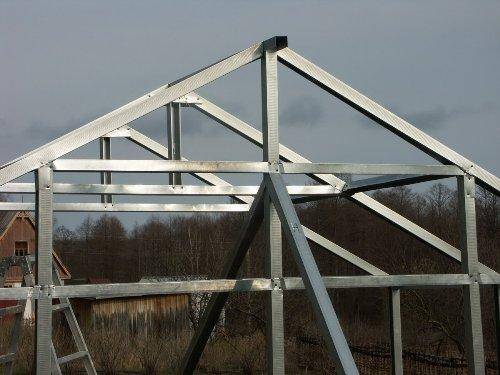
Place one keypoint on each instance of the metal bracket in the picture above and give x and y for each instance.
(275, 167)
(46, 291)
(123, 132)
(277, 283)
(188, 100)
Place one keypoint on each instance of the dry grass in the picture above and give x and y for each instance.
(119, 353)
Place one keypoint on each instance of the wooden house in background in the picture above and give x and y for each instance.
(157, 314)
(17, 237)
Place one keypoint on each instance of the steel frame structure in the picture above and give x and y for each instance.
(270, 203)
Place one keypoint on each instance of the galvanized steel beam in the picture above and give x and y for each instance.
(44, 222)
(387, 181)
(105, 154)
(470, 266)
(126, 114)
(130, 207)
(315, 287)
(251, 285)
(275, 347)
(395, 331)
(174, 139)
(160, 166)
(187, 190)
(386, 118)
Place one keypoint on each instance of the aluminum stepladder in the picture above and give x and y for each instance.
(18, 310)
(63, 306)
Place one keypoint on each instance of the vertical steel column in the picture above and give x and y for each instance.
(44, 220)
(174, 139)
(314, 285)
(274, 304)
(496, 299)
(470, 265)
(395, 327)
(105, 154)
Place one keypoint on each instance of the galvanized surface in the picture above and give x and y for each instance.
(275, 349)
(315, 287)
(386, 118)
(271, 203)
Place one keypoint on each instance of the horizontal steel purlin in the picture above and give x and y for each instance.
(130, 207)
(118, 189)
(159, 166)
(249, 285)
(212, 179)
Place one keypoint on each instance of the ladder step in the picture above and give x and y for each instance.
(6, 358)
(72, 357)
(60, 307)
(11, 310)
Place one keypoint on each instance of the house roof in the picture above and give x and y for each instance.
(6, 220)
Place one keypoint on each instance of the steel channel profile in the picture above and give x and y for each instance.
(272, 204)
(401, 282)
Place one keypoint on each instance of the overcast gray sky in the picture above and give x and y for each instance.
(435, 63)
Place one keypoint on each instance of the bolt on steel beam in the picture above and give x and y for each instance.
(44, 222)
(274, 300)
(470, 266)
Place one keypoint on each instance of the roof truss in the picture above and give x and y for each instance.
(270, 203)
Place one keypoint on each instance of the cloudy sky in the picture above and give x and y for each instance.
(435, 63)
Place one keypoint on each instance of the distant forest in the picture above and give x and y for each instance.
(196, 245)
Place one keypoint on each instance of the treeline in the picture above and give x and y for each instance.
(196, 245)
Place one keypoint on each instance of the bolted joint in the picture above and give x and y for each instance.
(277, 283)
(46, 291)
(188, 100)
(44, 177)
(275, 167)
(474, 278)
(469, 186)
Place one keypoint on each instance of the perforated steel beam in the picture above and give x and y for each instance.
(395, 331)
(274, 302)
(130, 207)
(250, 285)
(159, 166)
(44, 221)
(470, 266)
(387, 181)
(105, 154)
(187, 190)
(174, 139)
(314, 285)
(126, 114)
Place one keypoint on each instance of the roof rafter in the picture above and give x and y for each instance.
(126, 114)
(386, 118)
